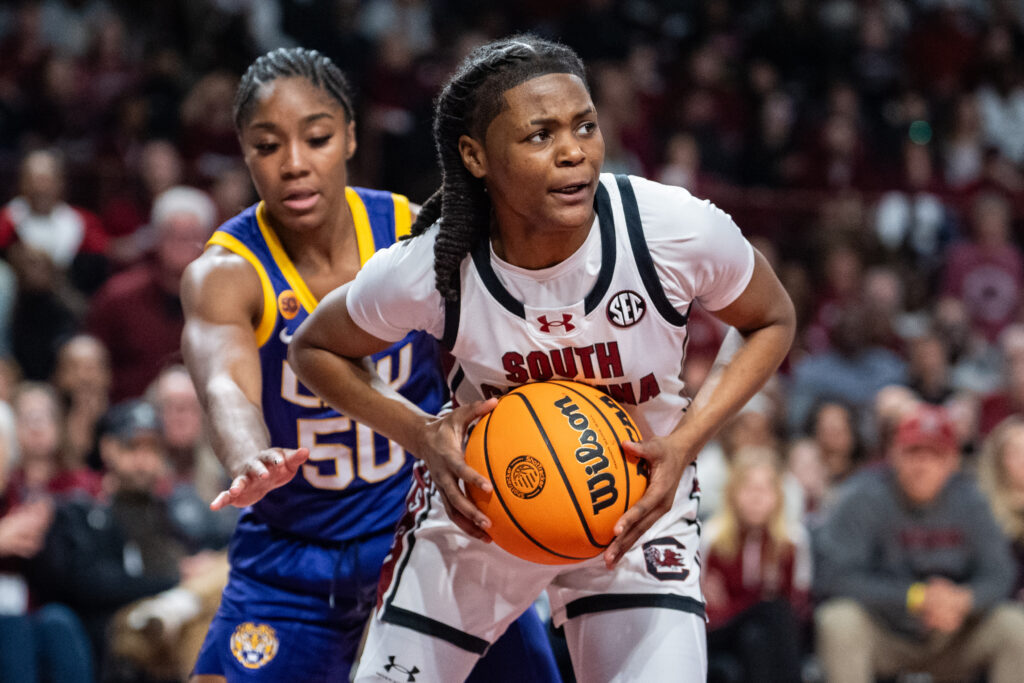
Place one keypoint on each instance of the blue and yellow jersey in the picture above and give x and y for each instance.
(355, 481)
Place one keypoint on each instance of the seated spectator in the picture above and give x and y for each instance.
(1009, 399)
(756, 574)
(196, 474)
(44, 643)
(915, 570)
(102, 554)
(72, 238)
(986, 272)
(82, 379)
(850, 372)
(834, 431)
(1001, 477)
(44, 468)
(137, 314)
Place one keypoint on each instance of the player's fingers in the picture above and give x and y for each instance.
(238, 485)
(460, 503)
(257, 469)
(295, 457)
(467, 474)
(222, 500)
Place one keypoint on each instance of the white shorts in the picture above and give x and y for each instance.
(440, 584)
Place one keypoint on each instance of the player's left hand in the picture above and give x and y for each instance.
(667, 465)
(265, 472)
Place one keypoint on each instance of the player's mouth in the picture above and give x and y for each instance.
(574, 191)
(301, 200)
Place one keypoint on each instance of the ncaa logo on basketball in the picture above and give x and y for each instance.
(525, 476)
(626, 308)
(288, 304)
(254, 645)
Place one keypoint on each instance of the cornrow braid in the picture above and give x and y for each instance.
(284, 63)
(469, 101)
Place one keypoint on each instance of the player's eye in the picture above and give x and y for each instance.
(539, 136)
(320, 140)
(587, 128)
(266, 147)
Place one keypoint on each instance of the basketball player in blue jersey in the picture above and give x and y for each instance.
(321, 493)
(530, 263)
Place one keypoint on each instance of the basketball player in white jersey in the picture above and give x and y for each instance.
(530, 264)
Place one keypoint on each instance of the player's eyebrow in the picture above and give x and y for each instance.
(548, 120)
(270, 125)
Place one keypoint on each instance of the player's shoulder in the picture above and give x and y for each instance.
(670, 207)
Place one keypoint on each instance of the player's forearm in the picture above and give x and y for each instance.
(351, 388)
(734, 383)
(237, 429)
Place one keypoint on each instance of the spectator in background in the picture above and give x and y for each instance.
(964, 145)
(806, 466)
(1009, 398)
(82, 380)
(850, 372)
(756, 575)
(43, 467)
(72, 238)
(157, 168)
(196, 474)
(834, 429)
(1001, 477)
(928, 367)
(915, 569)
(986, 272)
(102, 554)
(137, 314)
(37, 644)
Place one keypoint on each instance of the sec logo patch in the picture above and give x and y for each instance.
(626, 308)
(254, 645)
(288, 304)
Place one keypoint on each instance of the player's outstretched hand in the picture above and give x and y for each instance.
(271, 468)
(667, 465)
(443, 450)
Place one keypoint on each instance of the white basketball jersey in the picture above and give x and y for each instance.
(625, 332)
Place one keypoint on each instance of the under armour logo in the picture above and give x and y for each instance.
(546, 325)
(411, 673)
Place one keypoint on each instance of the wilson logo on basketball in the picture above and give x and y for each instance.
(288, 304)
(626, 308)
(591, 453)
(525, 477)
(564, 324)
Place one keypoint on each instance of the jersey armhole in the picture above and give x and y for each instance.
(269, 316)
(642, 255)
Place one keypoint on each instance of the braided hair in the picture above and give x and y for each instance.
(285, 63)
(469, 101)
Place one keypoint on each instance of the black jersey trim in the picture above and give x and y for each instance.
(432, 627)
(482, 261)
(456, 382)
(642, 255)
(613, 601)
(452, 312)
(606, 222)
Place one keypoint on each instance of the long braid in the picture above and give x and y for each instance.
(287, 62)
(470, 100)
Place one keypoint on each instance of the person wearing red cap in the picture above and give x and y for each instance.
(915, 570)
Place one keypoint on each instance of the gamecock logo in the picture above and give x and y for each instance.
(666, 559)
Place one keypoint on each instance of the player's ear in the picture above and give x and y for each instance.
(350, 142)
(473, 156)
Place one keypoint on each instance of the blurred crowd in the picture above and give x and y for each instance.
(873, 150)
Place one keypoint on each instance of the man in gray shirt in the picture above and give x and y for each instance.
(915, 570)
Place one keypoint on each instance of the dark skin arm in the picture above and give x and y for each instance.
(327, 354)
(222, 300)
(764, 317)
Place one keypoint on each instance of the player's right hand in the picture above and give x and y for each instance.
(270, 469)
(442, 449)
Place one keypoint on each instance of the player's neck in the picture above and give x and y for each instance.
(531, 248)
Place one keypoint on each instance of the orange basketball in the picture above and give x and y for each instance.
(553, 453)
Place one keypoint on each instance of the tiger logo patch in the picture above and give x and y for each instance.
(254, 645)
